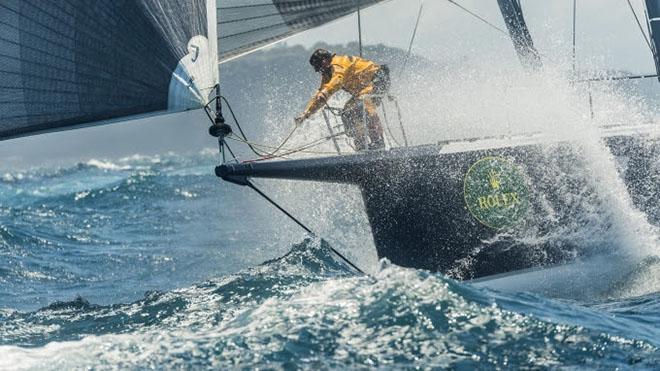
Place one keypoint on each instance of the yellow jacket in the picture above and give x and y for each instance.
(353, 74)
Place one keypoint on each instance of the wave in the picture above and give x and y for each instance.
(310, 310)
(71, 225)
(94, 177)
(107, 165)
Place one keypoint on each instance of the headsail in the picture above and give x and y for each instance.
(522, 40)
(247, 25)
(70, 63)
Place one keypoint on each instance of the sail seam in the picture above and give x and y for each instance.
(127, 55)
(77, 72)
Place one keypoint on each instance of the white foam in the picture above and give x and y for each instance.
(107, 165)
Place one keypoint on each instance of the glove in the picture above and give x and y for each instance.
(299, 120)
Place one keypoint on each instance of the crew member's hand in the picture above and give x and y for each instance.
(299, 120)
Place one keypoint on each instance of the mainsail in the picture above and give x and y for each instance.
(247, 25)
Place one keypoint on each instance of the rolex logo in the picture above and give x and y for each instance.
(496, 193)
(494, 179)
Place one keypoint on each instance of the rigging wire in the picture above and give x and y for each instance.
(484, 20)
(248, 183)
(475, 15)
(359, 17)
(303, 226)
(412, 40)
(574, 27)
(611, 78)
(639, 24)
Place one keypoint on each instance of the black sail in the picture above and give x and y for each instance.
(69, 63)
(653, 13)
(247, 25)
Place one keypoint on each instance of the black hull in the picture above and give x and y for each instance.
(417, 199)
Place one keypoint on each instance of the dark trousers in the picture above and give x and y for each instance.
(353, 115)
(357, 108)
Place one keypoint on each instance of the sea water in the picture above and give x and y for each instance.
(152, 262)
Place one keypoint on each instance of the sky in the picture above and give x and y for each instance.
(607, 38)
(606, 30)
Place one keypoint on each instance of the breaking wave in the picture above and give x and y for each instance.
(308, 310)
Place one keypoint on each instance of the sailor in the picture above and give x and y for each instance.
(362, 79)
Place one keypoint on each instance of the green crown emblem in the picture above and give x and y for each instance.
(496, 193)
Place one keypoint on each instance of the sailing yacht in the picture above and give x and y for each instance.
(466, 207)
(456, 207)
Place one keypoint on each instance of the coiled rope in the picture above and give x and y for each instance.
(286, 151)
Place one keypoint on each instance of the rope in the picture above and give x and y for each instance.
(238, 125)
(264, 146)
(289, 151)
(261, 150)
(310, 145)
(641, 29)
(277, 149)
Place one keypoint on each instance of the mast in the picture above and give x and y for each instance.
(522, 40)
